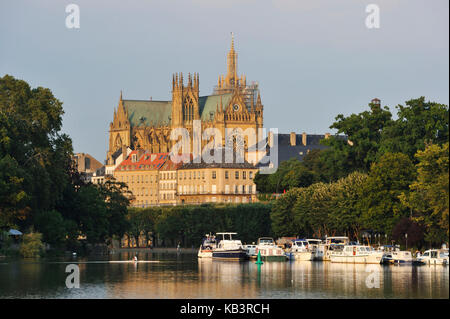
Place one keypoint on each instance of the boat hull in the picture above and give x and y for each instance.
(274, 258)
(303, 256)
(236, 255)
(368, 259)
(204, 253)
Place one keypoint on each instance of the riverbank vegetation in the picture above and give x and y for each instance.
(40, 190)
(169, 225)
(389, 179)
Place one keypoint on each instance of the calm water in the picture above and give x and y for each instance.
(184, 276)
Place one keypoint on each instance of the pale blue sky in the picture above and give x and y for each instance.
(313, 59)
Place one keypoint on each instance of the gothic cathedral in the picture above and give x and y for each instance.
(147, 124)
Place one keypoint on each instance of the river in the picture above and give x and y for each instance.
(183, 275)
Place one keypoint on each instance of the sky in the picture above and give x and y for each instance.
(312, 59)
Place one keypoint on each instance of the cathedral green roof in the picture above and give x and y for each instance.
(147, 113)
(156, 113)
(208, 104)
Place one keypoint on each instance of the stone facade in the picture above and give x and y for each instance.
(148, 124)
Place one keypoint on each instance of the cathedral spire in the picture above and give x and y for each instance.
(231, 77)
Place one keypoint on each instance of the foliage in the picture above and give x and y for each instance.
(418, 123)
(31, 245)
(388, 179)
(189, 224)
(407, 226)
(429, 193)
(39, 184)
(364, 131)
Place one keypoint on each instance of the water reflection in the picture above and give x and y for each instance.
(185, 276)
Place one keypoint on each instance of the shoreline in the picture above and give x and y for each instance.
(156, 250)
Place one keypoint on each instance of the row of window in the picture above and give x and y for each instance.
(167, 175)
(138, 179)
(203, 189)
(201, 175)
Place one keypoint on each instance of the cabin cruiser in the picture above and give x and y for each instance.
(434, 257)
(229, 248)
(357, 254)
(331, 244)
(250, 250)
(315, 245)
(269, 250)
(393, 255)
(299, 250)
(207, 246)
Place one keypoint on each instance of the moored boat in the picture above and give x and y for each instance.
(393, 255)
(268, 250)
(250, 250)
(300, 251)
(335, 243)
(434, 257)
(229, 248)
(207, 246)
(356, 254)
(317, 248)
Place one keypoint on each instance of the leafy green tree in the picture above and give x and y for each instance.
(364, 135)
(13, 197)
(31, 245)
(418, 123)
(282, 215)
(388, 179)
(428, 198)
(52, 226)
(30, 124)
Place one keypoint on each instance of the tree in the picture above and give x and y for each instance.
(388, 179)
(32, 151)
(31, 245)
(428, 198)
(282, 215)
(52, 226)
(409, 227)
(418, 123)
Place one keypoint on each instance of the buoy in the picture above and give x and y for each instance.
(259, 261)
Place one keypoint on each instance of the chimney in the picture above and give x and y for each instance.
(327, 135)
(124, 152)
(139, 154)
(270, 139)
(293, 138)
(304, 138)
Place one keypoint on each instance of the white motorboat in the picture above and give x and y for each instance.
(269, 250)
(393, 255)
(434, 257)
(299, 251)
(250, 250)
(318, 250)
(335, 243)
(356, 254)
(229, 248)
(207, 246)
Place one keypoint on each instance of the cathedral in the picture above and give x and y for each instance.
(147, 124)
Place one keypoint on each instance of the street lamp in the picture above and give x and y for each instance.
(385, 238)
(406, 237)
